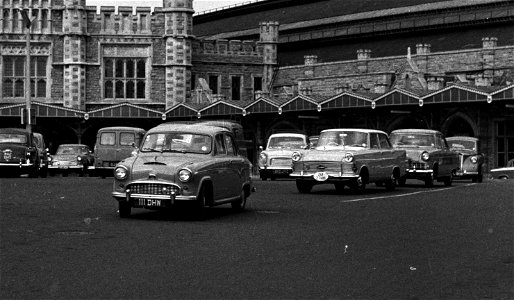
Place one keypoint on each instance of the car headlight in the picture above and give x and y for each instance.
(474, 159)
(425, 156)
(184, 175)
(348, 157)
(79, 159)
(120, 173)
(296, 156)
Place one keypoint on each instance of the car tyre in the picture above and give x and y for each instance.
(339, 187)
(124, 209)
(429, 180)
(240, 204)
(448, 180)
(402, 181)
(199, 209)
(303, 186)
(358, 185)
(390, 184)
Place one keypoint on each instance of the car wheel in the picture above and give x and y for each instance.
(390, 184)
(402, 181)
(34, 172)
(199, 209)
(124, 209)
(303, 186)
(339, 187)
(358, 185)
(448, 180)
(240, 203)
(263, 176)
(429, 180)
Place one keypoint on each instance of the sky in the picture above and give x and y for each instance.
(198, 5)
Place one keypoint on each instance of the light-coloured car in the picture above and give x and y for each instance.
(506, 172)
(183, 163)
(430, 157)
(71, 158)
(471, 160)
(275, 161)
(349, 157)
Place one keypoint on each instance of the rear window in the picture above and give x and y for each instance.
(108, 138)
(127, 138)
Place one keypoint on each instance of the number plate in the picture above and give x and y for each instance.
(63, 167)
(149, 202)
(320, 176)
(7, 155)
(280, 172)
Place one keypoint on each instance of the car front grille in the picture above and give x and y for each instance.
(322, 166)
(153, 189)
(284, 162)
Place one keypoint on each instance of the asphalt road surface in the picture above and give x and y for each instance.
(62, 238)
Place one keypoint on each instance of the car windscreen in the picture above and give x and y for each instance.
(182, 142)
(412, 140)
(286, 142)
(459, 145)
(12, 138)
(70, 150)
(343, 139)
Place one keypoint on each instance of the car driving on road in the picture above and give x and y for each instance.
(349, 157)
(191, 164)
(430, 157)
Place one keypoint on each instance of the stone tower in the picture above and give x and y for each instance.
(178, 35)
(74, 53)
(268, 41)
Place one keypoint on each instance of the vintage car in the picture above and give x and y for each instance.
(183, 164)
(429, 156)
(313, 141)
(71, 158)
(114, 144)
(349, 157)
(506, 172)
(20, 153)
(471, 160)
(275, 161)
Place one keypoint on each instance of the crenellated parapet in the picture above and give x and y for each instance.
(124, 21)
(227, 48)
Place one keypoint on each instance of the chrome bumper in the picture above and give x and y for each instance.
(123, 197)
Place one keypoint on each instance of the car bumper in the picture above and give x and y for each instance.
(65, 168)
(123, 197)
(417, 173)
(330, 177)
(275, 170)
(466, 173)
(16, 165)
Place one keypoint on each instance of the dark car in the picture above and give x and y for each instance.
(471, 161)
(71, 158)
(189, 164)
(20, 153)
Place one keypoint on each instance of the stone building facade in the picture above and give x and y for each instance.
(93, 67)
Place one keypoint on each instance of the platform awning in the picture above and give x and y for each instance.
(42, 110)
(346, 100)
(125, 110)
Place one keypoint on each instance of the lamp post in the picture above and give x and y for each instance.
(27, 23)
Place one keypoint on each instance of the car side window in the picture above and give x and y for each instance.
(373, 141)
(229, 143)
(220, 145)
(127, 138)
(384, 142)
(108, 138)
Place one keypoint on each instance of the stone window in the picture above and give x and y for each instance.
(213, 84)
(257, 83)
(124, 78)
(236, 87)
(14, 76)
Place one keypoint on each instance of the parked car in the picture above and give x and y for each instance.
(506, 172)
(429, 156)
(349, 157)
(183, 163)
(275, 161)
(71, 158)
(20, 153)
(471, 160)
(114, 144)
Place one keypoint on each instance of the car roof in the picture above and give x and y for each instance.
(195, 128)
(415, 131)
(69, 145)
(121, 128)
(354, 129)
(462, 138)
(287, 134)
